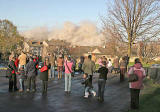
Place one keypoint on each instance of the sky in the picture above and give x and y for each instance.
(27, 14)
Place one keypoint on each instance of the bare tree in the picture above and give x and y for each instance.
(114, 42)
(149, 50)
(133, 20)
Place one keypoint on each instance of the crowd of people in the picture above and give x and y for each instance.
(26, 68)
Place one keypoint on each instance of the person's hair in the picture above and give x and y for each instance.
(123, 58)
(137, 60)
(46, 58)
(109, 59)
(30, 58)
(86, 74)
(21, 68)
(89, 57)
(104, 63)
(69, 58)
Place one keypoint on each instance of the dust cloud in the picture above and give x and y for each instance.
(84, 34)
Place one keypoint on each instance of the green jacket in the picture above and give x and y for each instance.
(89, 67)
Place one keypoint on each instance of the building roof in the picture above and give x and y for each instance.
(80, 50)
(35, 43)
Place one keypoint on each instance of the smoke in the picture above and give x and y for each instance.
(38, 33)
(84, 34)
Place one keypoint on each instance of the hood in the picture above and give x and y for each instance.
(138, 65)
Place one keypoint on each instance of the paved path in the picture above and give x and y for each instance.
(116, 98)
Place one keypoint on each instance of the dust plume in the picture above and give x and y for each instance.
(83, 34)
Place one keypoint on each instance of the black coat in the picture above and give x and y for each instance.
(44, 75)
(31, 69)
(11, 67)
(87, 83)
(103, 73)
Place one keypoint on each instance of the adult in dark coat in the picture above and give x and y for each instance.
(12, 75)
(31, 75)
(44, 75)
(123, 69)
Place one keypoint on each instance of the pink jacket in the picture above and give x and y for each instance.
(70, 64)
(140, 72)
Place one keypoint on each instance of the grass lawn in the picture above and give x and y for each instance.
(144, 64)
(150, 97)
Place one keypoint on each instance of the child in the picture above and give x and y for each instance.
(21, 78)
(88, 86)
(102, 81)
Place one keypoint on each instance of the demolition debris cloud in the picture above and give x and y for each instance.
(84, 34)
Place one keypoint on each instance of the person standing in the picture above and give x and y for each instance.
(89, 67)
(127, 61)
(60, 62)
(122, 69)
(103, 71)
(81, 61)
(52, 61)
(116, 64)
(31, 72)
(21, 78)
(16, 61)
(68, 71)
(136, 86)
(109, 66)
(12, 74)
(44, 75)
(22, 59)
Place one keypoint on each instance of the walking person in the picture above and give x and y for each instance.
(31, 72)
(136, 86)
(44, 75)
(122, 69)
(12, 74)
(68, 72)
(103, 71)
(89, 67)
(60, 62)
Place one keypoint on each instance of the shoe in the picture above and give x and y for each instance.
(85, 96)
(20, 90)
(98, 98)
(33, 90)
(28, 90)
(10, 90)
(15, 89)
(94, 94)
(69, 92)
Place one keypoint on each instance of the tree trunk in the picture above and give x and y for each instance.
(129, 49)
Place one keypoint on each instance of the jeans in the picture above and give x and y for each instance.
(31, 81)
(89, 90)
(135, 98)
(67, 82)
(52, 72)
(101, 88)
(21, 83)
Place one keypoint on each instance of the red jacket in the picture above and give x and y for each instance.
(16, 62)
(140, 72)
